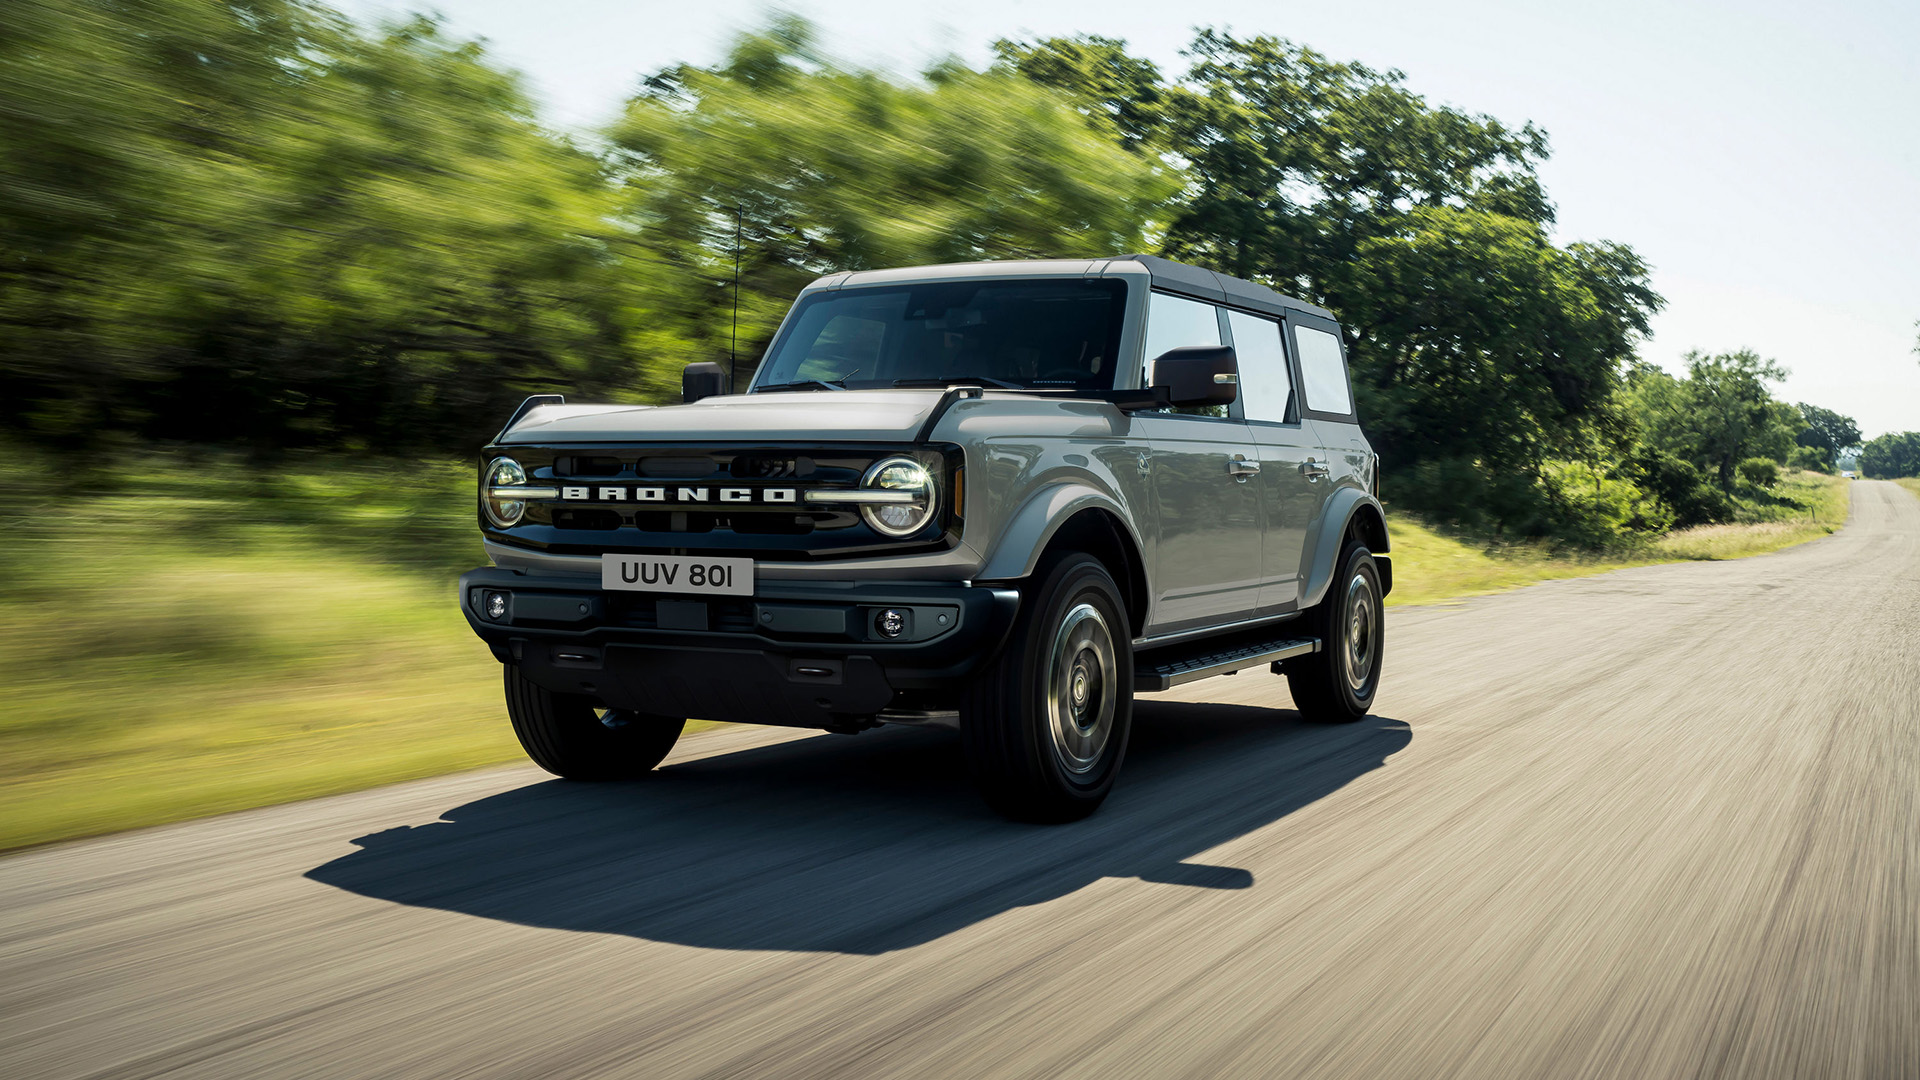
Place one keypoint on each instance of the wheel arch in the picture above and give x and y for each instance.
(1074, 518)
(1351, 512)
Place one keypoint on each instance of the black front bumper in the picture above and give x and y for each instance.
(802, 655)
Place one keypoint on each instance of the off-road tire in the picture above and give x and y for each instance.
(1068, 658)
(567, 736)
(1326, 686)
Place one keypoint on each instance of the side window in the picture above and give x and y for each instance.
(1173, 322)
(1323, 373)
(1265, 385)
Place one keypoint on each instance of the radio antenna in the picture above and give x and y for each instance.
(733, 348)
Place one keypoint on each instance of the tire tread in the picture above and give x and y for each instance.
(562, 734)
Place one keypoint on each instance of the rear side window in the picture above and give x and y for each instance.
(1323, 373)
(1265, 386)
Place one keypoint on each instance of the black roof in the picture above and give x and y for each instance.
(1204, 284)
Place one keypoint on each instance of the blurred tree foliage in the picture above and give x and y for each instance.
(248, 221)
(254, 222)
(817, 168)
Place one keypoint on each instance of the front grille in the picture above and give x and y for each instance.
(600, 520)
(683, 465)
(588, 466)
(712, 523)
(771, 466)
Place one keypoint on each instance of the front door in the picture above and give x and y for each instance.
(1207, 509)
(1207, 513)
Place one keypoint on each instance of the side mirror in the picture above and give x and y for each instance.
(1198, 375)
(702, 381)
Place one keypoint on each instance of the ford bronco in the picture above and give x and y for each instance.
(1003, 497)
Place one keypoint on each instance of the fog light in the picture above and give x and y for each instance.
(891, 623)
(496, 605)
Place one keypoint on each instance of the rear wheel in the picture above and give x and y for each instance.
(1337, 684)
(1045, 724)
(568, 736)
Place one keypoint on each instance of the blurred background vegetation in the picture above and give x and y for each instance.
(255, 224)
(268, 278)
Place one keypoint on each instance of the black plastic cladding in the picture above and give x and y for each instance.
(839, 532)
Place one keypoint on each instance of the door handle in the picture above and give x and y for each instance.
(1314, 471)
(1240, 468)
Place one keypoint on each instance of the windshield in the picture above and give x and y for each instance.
(1027, 334)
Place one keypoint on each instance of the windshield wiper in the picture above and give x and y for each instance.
(960, 380)
(800, 384)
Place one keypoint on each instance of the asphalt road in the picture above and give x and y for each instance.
(1659, 823)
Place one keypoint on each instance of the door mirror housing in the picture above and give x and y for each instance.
(1198, 375)
(701, 381)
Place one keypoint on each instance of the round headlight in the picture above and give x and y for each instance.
(504, 472)
(915, 502)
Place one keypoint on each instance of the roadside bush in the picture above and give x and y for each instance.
(1594, 509)
(1677, 483)
(1810, 458)
(1760, 472)
(1568, 501)
(1458, 492)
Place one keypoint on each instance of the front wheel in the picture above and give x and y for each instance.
(1337, 684)
(1045, 724)
(567, 736)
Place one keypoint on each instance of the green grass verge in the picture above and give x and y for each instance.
(1430, 565)
(192, 639)
(186, 636)
(1910, 484)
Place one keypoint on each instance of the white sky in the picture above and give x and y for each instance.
(1764, 156)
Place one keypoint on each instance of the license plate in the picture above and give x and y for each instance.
(677, 574)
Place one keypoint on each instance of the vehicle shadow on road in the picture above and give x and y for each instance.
(859, 844)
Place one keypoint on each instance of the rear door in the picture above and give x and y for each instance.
(1206, 566)
(1290, 493)
(1327, 399)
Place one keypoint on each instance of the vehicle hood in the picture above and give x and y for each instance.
(800, 416)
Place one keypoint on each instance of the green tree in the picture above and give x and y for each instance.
(817, 167)
(1828, 433)
(1481, 350)
(1123, 93)
(1894, 454)
(1719, 415)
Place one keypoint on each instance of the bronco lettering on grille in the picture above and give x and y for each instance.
(737, 496)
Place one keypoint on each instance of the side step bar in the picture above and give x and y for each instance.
(1151, 673)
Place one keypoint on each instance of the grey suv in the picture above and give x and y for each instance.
(1003, 497)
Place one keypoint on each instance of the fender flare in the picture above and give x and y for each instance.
(1324, 539)
(1034, 525)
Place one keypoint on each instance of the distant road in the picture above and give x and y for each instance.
(1663, 822)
